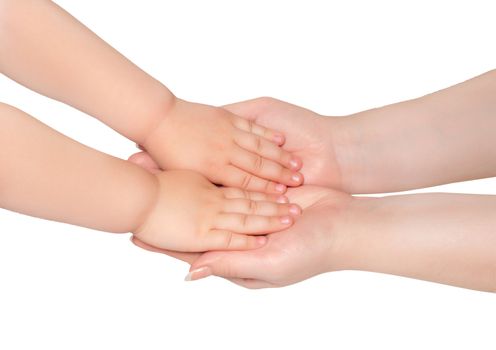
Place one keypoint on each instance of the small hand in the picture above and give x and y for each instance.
(313, 245)
(191, 214)
(227, 149)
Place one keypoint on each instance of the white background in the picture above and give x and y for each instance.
(64, 287)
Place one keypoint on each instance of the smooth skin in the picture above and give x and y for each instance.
(47, 50)
(443, 137)
(444, 238)
(447, 136)
(48, 175)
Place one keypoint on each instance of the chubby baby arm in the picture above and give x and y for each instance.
(48, 175)
(49, 51)
(51, 176)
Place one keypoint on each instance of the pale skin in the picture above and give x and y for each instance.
(47, 50)
(48, 175)
(439, 138)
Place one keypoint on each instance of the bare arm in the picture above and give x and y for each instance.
(444, 238)
(49, 175)
(444, 137)
(46, 49)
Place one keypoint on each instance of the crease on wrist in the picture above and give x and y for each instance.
(150, 208)
(163, 112)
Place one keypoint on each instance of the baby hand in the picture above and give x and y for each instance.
(227, 149)
(191, 214)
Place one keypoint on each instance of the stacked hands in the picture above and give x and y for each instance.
(258, 192)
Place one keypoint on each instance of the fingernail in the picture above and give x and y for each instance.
(294, 163)
(261, 240)
(282, 199)
(285, 220)
(198, 273)
(295, 210)
(280, 188)
(278, 138)
(296, 178)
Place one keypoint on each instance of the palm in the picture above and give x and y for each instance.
(302, 251)
(307, 136)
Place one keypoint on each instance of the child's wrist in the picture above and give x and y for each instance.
(148, 202)
(162, 106)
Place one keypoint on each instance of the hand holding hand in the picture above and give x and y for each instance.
(227, 149)
(313, 138)
(314, 244)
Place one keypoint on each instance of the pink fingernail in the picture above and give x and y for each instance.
(296, 178)
(198, 273)
(282, 199)
(286, 220)
(294, 163)
(280, 188)
(295, 210)
(261, 240)
(278, 138)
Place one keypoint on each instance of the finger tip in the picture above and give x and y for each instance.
(297, 179)
(280, 188)
(295, 209)
(261, 241)
(286, 220)
(295, 163)
(278, 138)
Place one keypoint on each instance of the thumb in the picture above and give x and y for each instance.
(249, 109)
(145, 161)
(227, 240)
(232, 265)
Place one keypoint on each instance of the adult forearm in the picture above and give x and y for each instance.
(46, 49)
(445, 238)
(48, 175)
(444, 137)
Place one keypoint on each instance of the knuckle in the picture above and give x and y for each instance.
(243, 220)
(253, 207)
(245, 183)
(228, 239)
(267, 186)
(259, 163)
(250, 126)
(258, 144)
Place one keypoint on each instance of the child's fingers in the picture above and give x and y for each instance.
(251, 224)
(251, 127)
(265, 168)
(228, 240)
(233, 192)
(267, 150)
(236, 177)
(250, 207)
(144, 160)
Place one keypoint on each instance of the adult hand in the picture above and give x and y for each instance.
(314, 245)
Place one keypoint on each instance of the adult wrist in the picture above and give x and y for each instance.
(351, 230)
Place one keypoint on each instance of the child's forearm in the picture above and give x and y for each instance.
(447, 136)
(46, 49)
(49, 175)
(446, 238)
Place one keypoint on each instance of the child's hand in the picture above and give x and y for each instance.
(191, 214)
(227, 149)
